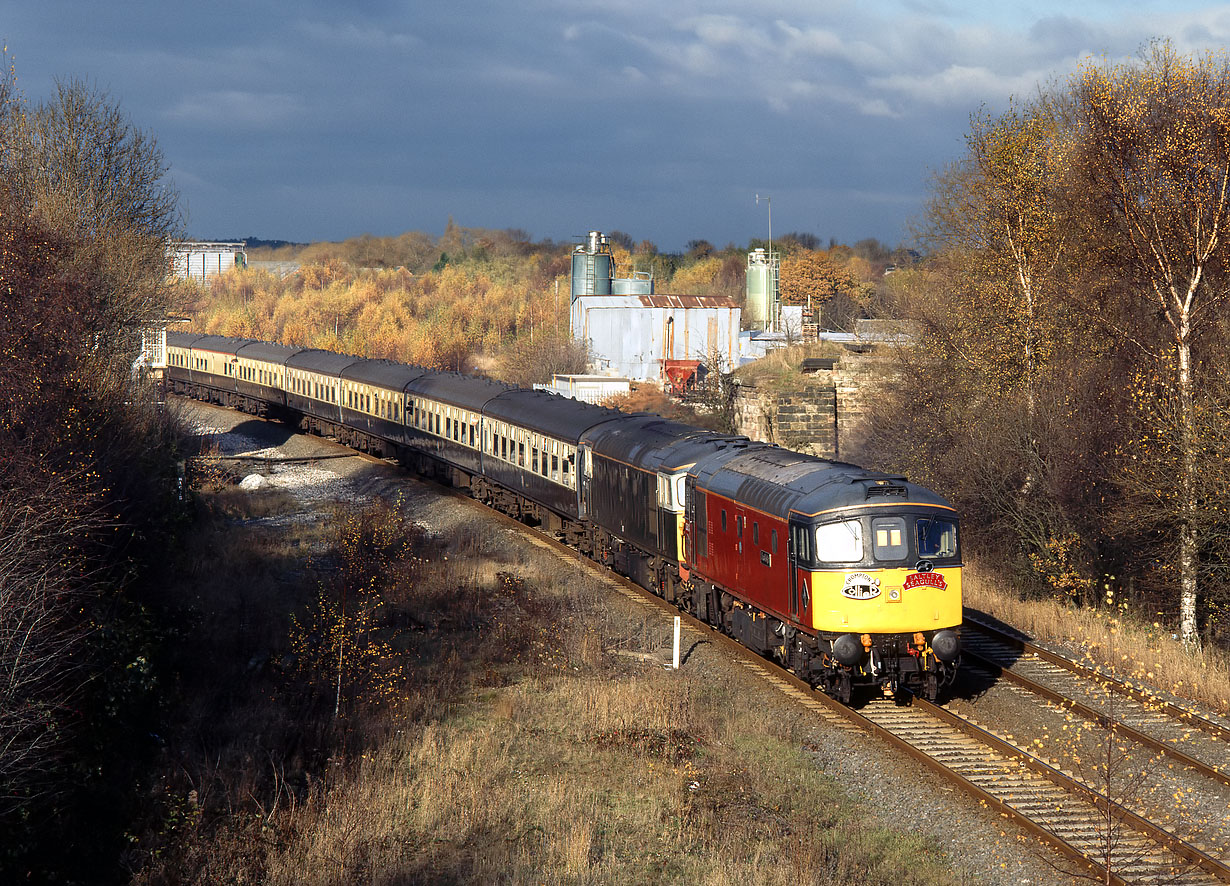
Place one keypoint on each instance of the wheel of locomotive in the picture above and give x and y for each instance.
(839, 686)
(931, 686)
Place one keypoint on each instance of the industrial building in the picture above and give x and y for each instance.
(634, 332)
(203, 260)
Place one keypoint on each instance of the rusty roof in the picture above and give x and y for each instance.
(663, 300)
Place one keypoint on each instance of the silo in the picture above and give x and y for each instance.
(761, 307)
(593, 267)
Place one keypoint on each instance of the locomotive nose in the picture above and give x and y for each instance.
(946, 645)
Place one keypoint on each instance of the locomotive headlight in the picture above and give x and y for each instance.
(946, 645)
(848, 649)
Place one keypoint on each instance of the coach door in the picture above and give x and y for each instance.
(585, 470)
(743, 537)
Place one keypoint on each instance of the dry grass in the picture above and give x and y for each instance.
(521, 749)
(1131, 646)
(573, 780)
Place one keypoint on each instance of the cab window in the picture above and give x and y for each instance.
(937, 538)
(839, 542)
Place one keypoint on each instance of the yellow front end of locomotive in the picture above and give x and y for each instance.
(885, 601)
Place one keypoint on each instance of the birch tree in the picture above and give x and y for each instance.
(996, 209)
(1150, 178)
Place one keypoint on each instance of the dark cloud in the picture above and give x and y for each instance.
(319, 120)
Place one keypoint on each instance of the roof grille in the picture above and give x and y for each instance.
(884, 489)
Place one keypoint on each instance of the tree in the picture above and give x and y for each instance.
(85, 223)
(1150, 180)
(813, 278)
(86, 172)
(996, 211)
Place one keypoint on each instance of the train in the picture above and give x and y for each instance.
(850, 578)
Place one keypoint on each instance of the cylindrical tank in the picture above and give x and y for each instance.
(592, 266)
(640, 283)
(760, 309)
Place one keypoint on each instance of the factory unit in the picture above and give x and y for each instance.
(638, 336)
(634, 332)
(203, 260)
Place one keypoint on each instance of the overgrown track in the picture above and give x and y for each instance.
(1135, 713)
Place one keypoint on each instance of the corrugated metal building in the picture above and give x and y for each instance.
(202, 260)
(632, 335)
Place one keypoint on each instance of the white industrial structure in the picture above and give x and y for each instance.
(645, 337)
(587, 388)
(203, 260)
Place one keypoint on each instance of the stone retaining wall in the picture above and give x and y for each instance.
(823, 416)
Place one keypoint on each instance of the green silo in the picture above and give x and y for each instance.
(761, 308)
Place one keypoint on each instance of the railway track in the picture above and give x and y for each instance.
(1031, 665)
(1095, 833)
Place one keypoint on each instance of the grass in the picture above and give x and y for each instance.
(1114, 637)
(519, 747)
(780, 369)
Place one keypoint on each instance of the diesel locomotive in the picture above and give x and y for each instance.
(851, 578)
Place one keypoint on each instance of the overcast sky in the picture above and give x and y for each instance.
(314, 120)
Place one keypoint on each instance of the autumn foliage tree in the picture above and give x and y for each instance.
(813, 278)
(1150, 167)
(1070, 334)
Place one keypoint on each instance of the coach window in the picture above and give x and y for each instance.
(723, 519)
(773, 540)
(568, 470)
(739, 525)
(554, 467)
(889, 539)
(755, 532)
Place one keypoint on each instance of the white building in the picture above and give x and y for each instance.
(202, 260)
(640, 336)
(587, 388)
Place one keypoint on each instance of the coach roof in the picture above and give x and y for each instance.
(219, 344)
(560, 417)
(383, 373)
(464, 391)
(322, 362)
(267, 352)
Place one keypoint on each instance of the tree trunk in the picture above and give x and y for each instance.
(1188, 557)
